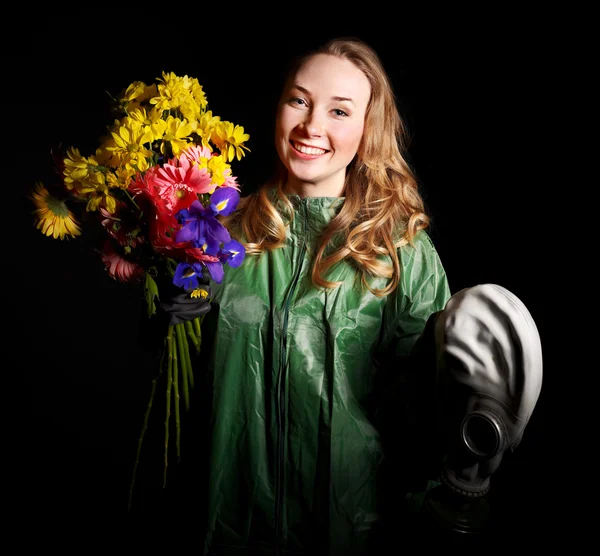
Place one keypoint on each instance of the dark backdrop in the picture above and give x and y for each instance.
(468, 92)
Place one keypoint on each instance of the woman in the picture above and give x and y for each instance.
(339, 275)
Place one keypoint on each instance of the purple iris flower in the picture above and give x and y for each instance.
(224, 200)
(216, 270)
(195, 211)
(186, 275)
(201, 229)
(234, 253)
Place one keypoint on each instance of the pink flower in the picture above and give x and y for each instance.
(178, 182)
(230, 181)
(138, 185)
(196, 152)
(199, 255)
(118, 267)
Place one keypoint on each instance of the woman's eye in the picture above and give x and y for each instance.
(296, 100)
(339, 112)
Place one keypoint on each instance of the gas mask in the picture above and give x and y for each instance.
(489, 377)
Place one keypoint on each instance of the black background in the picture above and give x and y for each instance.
(469, 91)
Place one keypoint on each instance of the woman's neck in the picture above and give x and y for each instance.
(306, 189)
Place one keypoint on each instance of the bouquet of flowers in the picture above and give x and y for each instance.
(152, 196)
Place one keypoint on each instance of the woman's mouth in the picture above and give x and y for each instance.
(306, 150)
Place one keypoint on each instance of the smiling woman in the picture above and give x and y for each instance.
(339, 280)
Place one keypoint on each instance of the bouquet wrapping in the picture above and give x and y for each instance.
(151, 198)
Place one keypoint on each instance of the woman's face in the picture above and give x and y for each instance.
(320, 123)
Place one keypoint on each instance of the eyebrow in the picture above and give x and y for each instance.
(306, 91)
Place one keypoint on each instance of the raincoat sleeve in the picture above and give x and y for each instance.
(423, 291)
(406, 375)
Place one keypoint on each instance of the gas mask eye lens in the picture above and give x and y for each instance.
(481, 434)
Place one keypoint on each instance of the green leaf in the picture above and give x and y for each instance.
(151, 293)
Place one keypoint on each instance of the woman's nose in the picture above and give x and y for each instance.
(313, 124)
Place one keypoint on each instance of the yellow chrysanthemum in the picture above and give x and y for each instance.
(121, 177)
(129, 144)
(217, 167)
(149, 92)
(190, 110)
(133, 91)
(173, 91)
(135, 96)
(182, 96)
(113, 158)
(150, 120)
(198, 93)
(52, 216)
(97, 192)
(204, 128)
(92, 182)
(104, 157)
(77, 168)
(177, 135)
(230, 140)
(101, 196)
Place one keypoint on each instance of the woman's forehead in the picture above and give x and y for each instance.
(331, 76)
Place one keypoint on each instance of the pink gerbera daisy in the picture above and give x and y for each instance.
(196, 152)
(179, 182)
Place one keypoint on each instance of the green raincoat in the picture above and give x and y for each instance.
(294, 456)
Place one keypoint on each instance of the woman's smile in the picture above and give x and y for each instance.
(307, 151)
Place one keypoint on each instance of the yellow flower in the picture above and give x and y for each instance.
(135, 90)
(198, 93)
(121, 177)
(95, 188)
(199, 292)
(151, 121)
(52, 216)
(100, 195)
(77, 168)
(130, 139)
(177, 134)
(230, 140)
(135, 96)
(173, 91)
(204, 127)
(190, 110)
(217, 167)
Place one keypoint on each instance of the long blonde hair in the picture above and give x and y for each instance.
(383, 209)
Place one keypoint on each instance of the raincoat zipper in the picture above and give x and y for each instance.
(281, 393)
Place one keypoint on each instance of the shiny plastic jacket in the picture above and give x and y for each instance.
(294, 455)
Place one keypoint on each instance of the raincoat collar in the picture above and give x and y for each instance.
(315, 213)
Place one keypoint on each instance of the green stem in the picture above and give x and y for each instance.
(176, 393)
(132, 199)
(192, 335)
(185, 370)
(188, 359)
(172, 355)
(198, 331)
(140, 440)
(144, 429)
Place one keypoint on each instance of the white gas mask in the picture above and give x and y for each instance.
(489, 376)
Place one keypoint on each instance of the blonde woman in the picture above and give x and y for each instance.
(339, 276)
(287, 447)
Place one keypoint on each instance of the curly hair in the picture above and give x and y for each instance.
(383, 209)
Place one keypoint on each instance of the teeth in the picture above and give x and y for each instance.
(309, 150)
